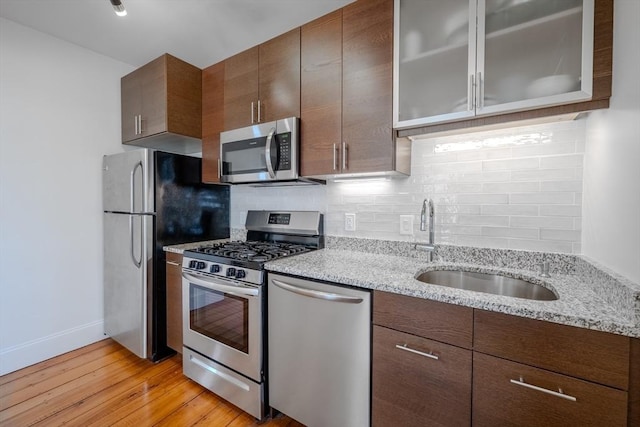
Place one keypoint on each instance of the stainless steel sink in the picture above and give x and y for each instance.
(488, 283)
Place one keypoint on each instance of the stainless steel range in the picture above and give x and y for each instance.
(224, 310)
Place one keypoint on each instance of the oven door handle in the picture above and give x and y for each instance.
(229, 289)
(329, 296)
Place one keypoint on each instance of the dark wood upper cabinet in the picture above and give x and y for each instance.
(263, 83)
(212, 120)
(321, 95)
(162, 98)
(241, 89)
(346, 96)
(367, 86)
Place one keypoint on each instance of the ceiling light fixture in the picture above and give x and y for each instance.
(119, 7)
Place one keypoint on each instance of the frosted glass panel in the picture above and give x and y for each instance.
(532, 49)
(433, 57)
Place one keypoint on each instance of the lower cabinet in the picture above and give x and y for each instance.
(516, 372)
(507, 393)
(174, 301)
(419, 382)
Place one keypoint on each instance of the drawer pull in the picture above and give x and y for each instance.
(558, 393)
(404, 347)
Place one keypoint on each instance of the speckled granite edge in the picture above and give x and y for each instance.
(613, 288)
(180, 248)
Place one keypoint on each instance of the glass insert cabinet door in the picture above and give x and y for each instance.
(434, 57)
(465, 58)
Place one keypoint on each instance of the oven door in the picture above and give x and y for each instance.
(222, 320)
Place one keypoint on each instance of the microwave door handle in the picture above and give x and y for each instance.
(267, 153)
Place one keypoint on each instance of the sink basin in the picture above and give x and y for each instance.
(488, 283)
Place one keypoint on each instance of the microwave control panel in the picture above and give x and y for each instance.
(284, 151)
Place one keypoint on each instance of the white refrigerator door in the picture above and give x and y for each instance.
(127, 181)
(127, 279)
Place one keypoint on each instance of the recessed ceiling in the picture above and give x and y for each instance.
(201, 32)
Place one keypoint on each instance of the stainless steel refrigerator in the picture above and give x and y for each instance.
(151, 199)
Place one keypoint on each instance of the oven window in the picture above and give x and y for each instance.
(219, 316)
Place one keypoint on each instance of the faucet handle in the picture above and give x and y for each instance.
(544, 269)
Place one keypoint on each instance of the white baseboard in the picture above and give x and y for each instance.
(34, 351)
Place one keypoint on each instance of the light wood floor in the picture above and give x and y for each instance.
(104, 384)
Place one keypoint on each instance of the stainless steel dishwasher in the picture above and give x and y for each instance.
(319, 352)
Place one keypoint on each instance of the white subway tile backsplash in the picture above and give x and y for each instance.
(518, 188)
(556, 222)
(575, 186)
(510, 210)
(481, 199)
(560, 198)
(511, 164)
(561, 210)
(566, 161)
(511, 187)
(482, 220)
(564, 235)
(545, 175)
(540, 246)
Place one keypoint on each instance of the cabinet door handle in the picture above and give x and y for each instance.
(135, 125)
(174, 263)
(345, 154)
(140, 123)
(558, 393)
(430, 355)
(219, 168)
(252, 116)
(335, 157)
(259, 112)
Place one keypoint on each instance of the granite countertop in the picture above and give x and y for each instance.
(179, 249)
(609, 307)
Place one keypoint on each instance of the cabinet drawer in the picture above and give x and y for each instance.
(430, 319)
(500, 397)
(411, 389)
(592, 355)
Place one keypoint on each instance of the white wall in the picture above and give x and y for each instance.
(59, 113)
(611, 228)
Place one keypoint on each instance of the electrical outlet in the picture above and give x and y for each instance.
(350, 222)
(406, 224)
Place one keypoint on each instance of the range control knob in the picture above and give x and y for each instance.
(197, 265)
(215, 268)
(231, 272)
(241, 274)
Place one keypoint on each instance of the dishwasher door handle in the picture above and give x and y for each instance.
(328, 296)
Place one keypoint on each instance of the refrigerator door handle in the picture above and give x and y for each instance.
(133, 257)
(133, 186)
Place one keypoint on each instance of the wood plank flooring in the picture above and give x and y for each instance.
(104, 384)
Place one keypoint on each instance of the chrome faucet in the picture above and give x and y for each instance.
(427, 212)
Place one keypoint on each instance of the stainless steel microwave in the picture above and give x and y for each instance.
(261, 153)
